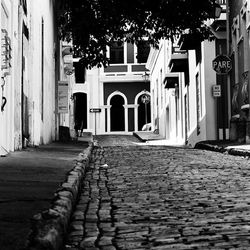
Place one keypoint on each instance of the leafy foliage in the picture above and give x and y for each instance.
(94, 24)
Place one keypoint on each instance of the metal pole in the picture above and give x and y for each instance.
(146, 115)
(95, 123)
(228, 54)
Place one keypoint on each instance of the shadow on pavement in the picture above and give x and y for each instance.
(28, 181)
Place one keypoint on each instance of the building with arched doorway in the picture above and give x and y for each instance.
(123, 110)
(116, 93)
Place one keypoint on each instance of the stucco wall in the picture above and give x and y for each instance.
(44, 125)
(207, 78)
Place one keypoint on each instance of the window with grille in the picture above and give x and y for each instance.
(116, 53)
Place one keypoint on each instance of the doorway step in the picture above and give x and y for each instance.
(147, 136)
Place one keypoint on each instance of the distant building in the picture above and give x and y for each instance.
(116, 91)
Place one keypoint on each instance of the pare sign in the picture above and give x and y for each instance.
(222, 64)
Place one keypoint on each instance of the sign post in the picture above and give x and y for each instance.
(95, 110)
(222, 65)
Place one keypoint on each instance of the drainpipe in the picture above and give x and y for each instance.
(228, 53)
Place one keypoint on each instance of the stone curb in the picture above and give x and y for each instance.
(49, 228)
(210, 147)
(238, 152)
(215, 148)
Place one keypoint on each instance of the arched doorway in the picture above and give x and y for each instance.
(144, 111)
(80, 111)
(117, 113)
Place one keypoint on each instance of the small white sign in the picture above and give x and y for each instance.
(63, 97)
(216, 89)
(95, 110)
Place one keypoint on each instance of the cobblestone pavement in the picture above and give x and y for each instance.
(117, 140)
(156, 197)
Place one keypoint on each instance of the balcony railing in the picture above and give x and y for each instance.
(222, 2)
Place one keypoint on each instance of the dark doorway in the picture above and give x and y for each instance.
(26, 115)
(144, 113)
(117, 113)
(80, 113)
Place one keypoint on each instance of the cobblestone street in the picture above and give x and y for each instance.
(158, 197)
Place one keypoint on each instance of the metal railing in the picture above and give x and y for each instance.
(221, 2)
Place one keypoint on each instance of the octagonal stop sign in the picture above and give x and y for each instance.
(222, 64)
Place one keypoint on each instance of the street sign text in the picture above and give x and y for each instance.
(95, 110)
(222, 64)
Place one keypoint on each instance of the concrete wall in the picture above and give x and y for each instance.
(44, 124)
(209, 80)
(207, 76)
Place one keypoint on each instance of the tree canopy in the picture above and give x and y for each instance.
(93, 25)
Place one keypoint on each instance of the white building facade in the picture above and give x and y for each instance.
(185, 109)
(28, 73)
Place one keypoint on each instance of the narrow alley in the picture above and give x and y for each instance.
(158, 197)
